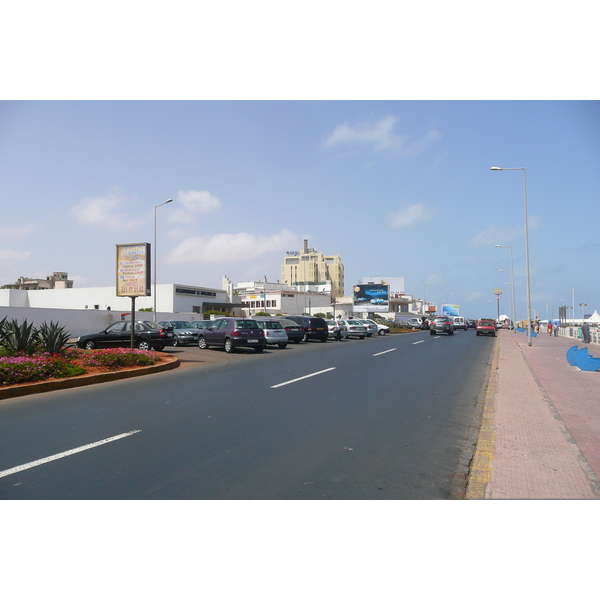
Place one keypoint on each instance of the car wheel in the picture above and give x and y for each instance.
(382, 332)
(323, 339)
(144, 345)
(159, 348)
(431, 332)
(202, 343)
(305, 338)
(477, 333)
(89, 345)
(229, 345)
(259, 350)
(297, 341)
(176, 341)
(369, 334)
(282, 346)
(451, 333)
(362, 337)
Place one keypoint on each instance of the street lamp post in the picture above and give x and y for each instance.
(512, 287)
(167, 202)
(529, 336)
(582, 315)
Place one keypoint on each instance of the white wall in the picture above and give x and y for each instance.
(78, 322)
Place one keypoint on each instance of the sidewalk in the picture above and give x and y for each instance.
(540, 434)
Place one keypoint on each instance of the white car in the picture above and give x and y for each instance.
(275, 334)
(332, 326)
(460, 323)
(381, 329)
(370, 325)
(355, 328)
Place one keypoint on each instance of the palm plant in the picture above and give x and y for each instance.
(52, 337)
(20, 338)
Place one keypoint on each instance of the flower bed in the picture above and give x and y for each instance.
(21, 369)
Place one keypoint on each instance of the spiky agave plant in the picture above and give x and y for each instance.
(20, 337)
(52, 337)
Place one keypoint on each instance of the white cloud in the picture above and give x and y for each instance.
(228, 247)
(192, 203)
(9, 256)
(17, 231)
(416, 213)
(106, 212)
(380, 136)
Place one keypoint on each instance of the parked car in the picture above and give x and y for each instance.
(414, 322)
(460, 323)
(147, 335)
(294, 331)
(231, 333)
(486, 327)
(355, 328)
(185, 332)
(442, 325)
(370, 325)
(274, 332)
(332, 327)
(315, 328)
(201, 324)
(382, 329)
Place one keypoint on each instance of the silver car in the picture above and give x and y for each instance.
(355, 328)
(185, 332)
(370, 325)
(275, 334)
(332, 329)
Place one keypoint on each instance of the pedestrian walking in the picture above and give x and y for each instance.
(549, 327)
(555, 330)
(585, 331)
(338, 329)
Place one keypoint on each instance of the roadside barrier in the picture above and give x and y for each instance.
(582, 360)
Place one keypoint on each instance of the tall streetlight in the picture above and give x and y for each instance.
(582, 315)
(512, 286)
(167, 202)
(529, 336)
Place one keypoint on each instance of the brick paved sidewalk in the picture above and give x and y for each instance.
(544, 437)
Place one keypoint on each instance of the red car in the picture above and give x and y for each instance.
(486, 327)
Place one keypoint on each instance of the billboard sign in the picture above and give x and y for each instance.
(451, 310)
(133, 270)
(371, 297)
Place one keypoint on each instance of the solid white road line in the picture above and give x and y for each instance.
(300, 378)
(385, 352)
(41, 461)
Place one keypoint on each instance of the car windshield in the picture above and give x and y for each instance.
(288, 323)
(355, 322)
(181, 324)
(486, 322)
(151, 324)
(272, 325)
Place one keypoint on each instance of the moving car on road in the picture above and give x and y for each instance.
(442, 325)
(232, 333)
(460, 323)
(486, 327)
(147, 335)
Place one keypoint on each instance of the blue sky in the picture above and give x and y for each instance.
(397, 188)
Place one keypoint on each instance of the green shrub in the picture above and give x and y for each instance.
(52, 338)
(20, 337)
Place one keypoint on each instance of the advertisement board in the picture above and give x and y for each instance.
(371, 297)
(133, 270)
(451, 310)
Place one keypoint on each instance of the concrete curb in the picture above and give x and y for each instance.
(481, 467)
(72, 382)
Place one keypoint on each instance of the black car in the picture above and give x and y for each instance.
(315, 328)
(231, 333)
(442, 325)
(294, 331)
(471, 323)
(147, 335)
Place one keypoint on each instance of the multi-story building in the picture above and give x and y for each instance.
(56, 281)
(311, 270)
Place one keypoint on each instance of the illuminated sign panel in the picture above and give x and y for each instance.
(133, 269)
(451, 310)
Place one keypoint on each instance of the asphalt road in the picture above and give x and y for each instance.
(380, 418)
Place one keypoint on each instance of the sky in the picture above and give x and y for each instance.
(396, 188)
